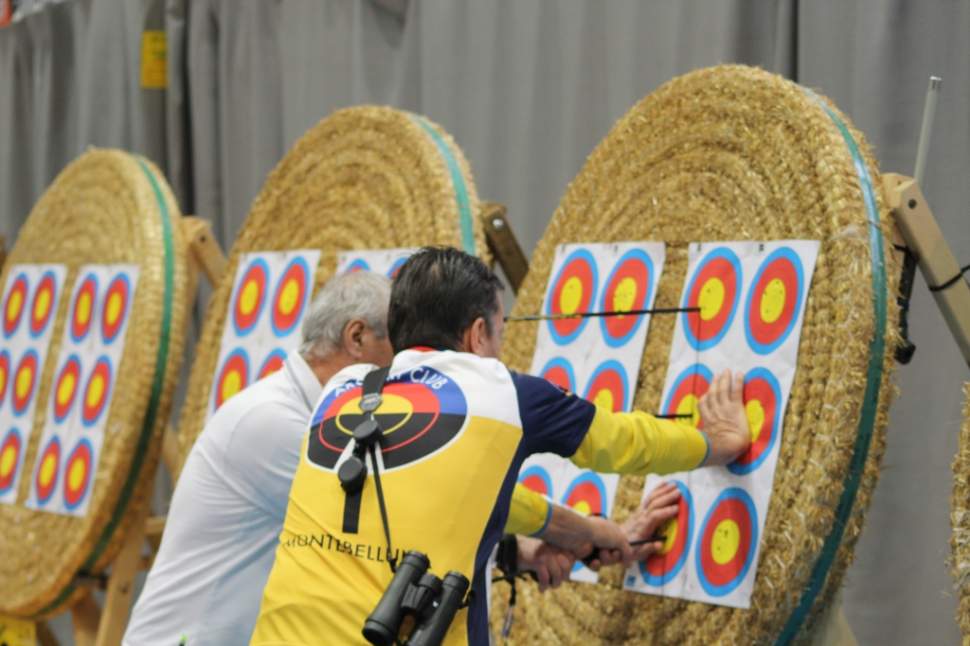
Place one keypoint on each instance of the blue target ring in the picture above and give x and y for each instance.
(782, 267)
(537, 479)
(719, 578)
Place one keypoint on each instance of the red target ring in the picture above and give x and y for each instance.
(232, 377)
(662, 567)
(289, 297)
(97, 392)
(762, 404)
(272, 363)
(10, 450)
(82, 311)
(573, 291)
(48, 468)
(250, 297)
(66, 387)
(627, 288)
(728, 540)
(714, 288)
(77, 474)
(24, 382)
(4, 375)
(13, 305)
(117, 298)
(608, 387)
(774, 300)
(537, 479)
(685, 394)
(42, 305)
(560, 372)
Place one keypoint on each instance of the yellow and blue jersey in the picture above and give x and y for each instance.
(457, 429)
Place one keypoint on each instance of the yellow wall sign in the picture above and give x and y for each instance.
(17, 632)
(154, 59)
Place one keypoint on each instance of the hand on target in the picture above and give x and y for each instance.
(724, 419)
(649, 520)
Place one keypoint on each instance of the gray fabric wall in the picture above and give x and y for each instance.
(527, 88)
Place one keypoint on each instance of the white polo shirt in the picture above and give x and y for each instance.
(226, 516)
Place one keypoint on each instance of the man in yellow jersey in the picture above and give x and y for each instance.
(455, 425)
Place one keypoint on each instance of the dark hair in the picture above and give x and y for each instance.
(437, 295)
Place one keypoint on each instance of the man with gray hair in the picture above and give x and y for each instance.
(230, 500)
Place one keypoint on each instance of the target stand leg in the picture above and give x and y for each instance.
(503, 244)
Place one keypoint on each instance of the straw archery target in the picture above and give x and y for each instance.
(661, 568)
(66, 386)
(560, 372)
(30, 301)
(727, 541)
(772, 279)
(628, 287)
(714, 288)
(13, 305)
(387, 262)
(762, 404)
(572, 291)
(82, 308)
(41, 307)
(45, 477)
(774, 300)
(537, 479)
(270, 296)
(685, 394)
(609, 387)
(10, 449)
(83, 387)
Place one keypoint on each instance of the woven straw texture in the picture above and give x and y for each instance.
(731, 153)
(105, 207)
(960, 519)
(363, 178)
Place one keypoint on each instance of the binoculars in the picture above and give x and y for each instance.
(417, 593)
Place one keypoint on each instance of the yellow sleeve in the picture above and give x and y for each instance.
(529, 512)
(639, 443)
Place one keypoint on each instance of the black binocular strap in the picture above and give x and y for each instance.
(373, 385)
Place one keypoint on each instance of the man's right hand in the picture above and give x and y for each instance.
(725, 420)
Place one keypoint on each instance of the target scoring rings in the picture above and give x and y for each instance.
(573, 291)
(661, 568)
(715, 288)
(727, 543)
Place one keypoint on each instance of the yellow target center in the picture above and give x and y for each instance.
(670, 535)
(688, 406)
(7, 461)
(95, 390)
(756, 417)
(231, 385)
(773, 300)
(65, 389)
(76, 475)
(249, 298)
(289, 297)
(711, 298)
(47, 469)
(113, 310)
(583, 508)
(625, 295)
(3, 380)
(572, 296)
(84, 308)
(25, 379)
(43, 304)
(604, 399)
(14, 304)
(726, 541)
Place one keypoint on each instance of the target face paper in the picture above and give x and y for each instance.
(386, 262)
(29, 306)
(597, 358)
(99, 309)
(270, 297)
(751, 299)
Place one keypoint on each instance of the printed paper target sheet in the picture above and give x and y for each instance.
(386, 262)
(30, 300)
(270, 297)
(595, 357)
(83, 386)
(751, 299)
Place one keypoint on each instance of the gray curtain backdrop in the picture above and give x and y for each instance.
(527, 87)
